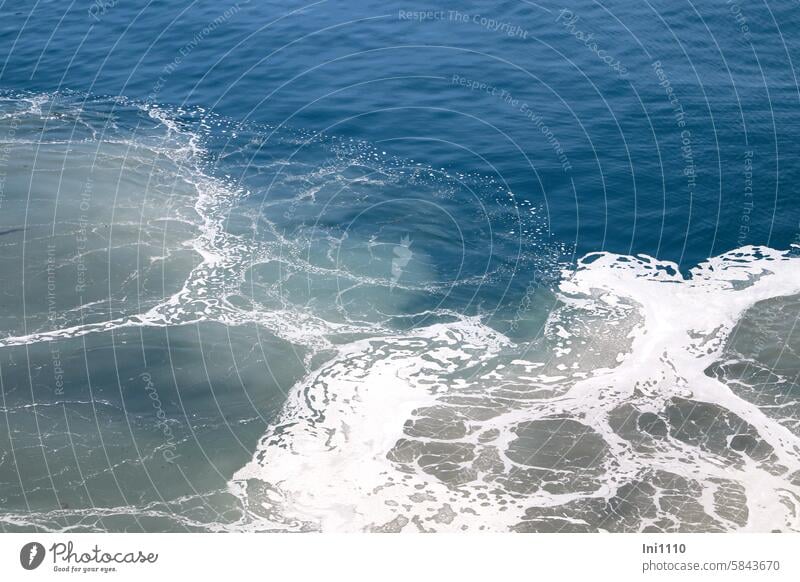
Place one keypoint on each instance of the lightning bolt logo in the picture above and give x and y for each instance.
(34, 551)
(31, 555)
(402, 256)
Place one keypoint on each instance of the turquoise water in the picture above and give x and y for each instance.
(396, 267)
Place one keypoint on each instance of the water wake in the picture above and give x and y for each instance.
(617, 427)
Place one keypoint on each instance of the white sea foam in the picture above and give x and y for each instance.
(611, 422)
(431, 431)
(224, 259)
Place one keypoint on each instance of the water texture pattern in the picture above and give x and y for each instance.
(396, 268)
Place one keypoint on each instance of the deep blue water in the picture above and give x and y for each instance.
(389, 166)
(369, 71)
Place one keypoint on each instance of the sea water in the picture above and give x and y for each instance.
(336, 268)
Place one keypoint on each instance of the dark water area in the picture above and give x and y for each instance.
(385, 73)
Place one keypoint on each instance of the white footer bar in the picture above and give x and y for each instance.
(406, 558)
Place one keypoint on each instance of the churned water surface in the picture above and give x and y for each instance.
(389, 267)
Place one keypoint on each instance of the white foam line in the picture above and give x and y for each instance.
(325, 463)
